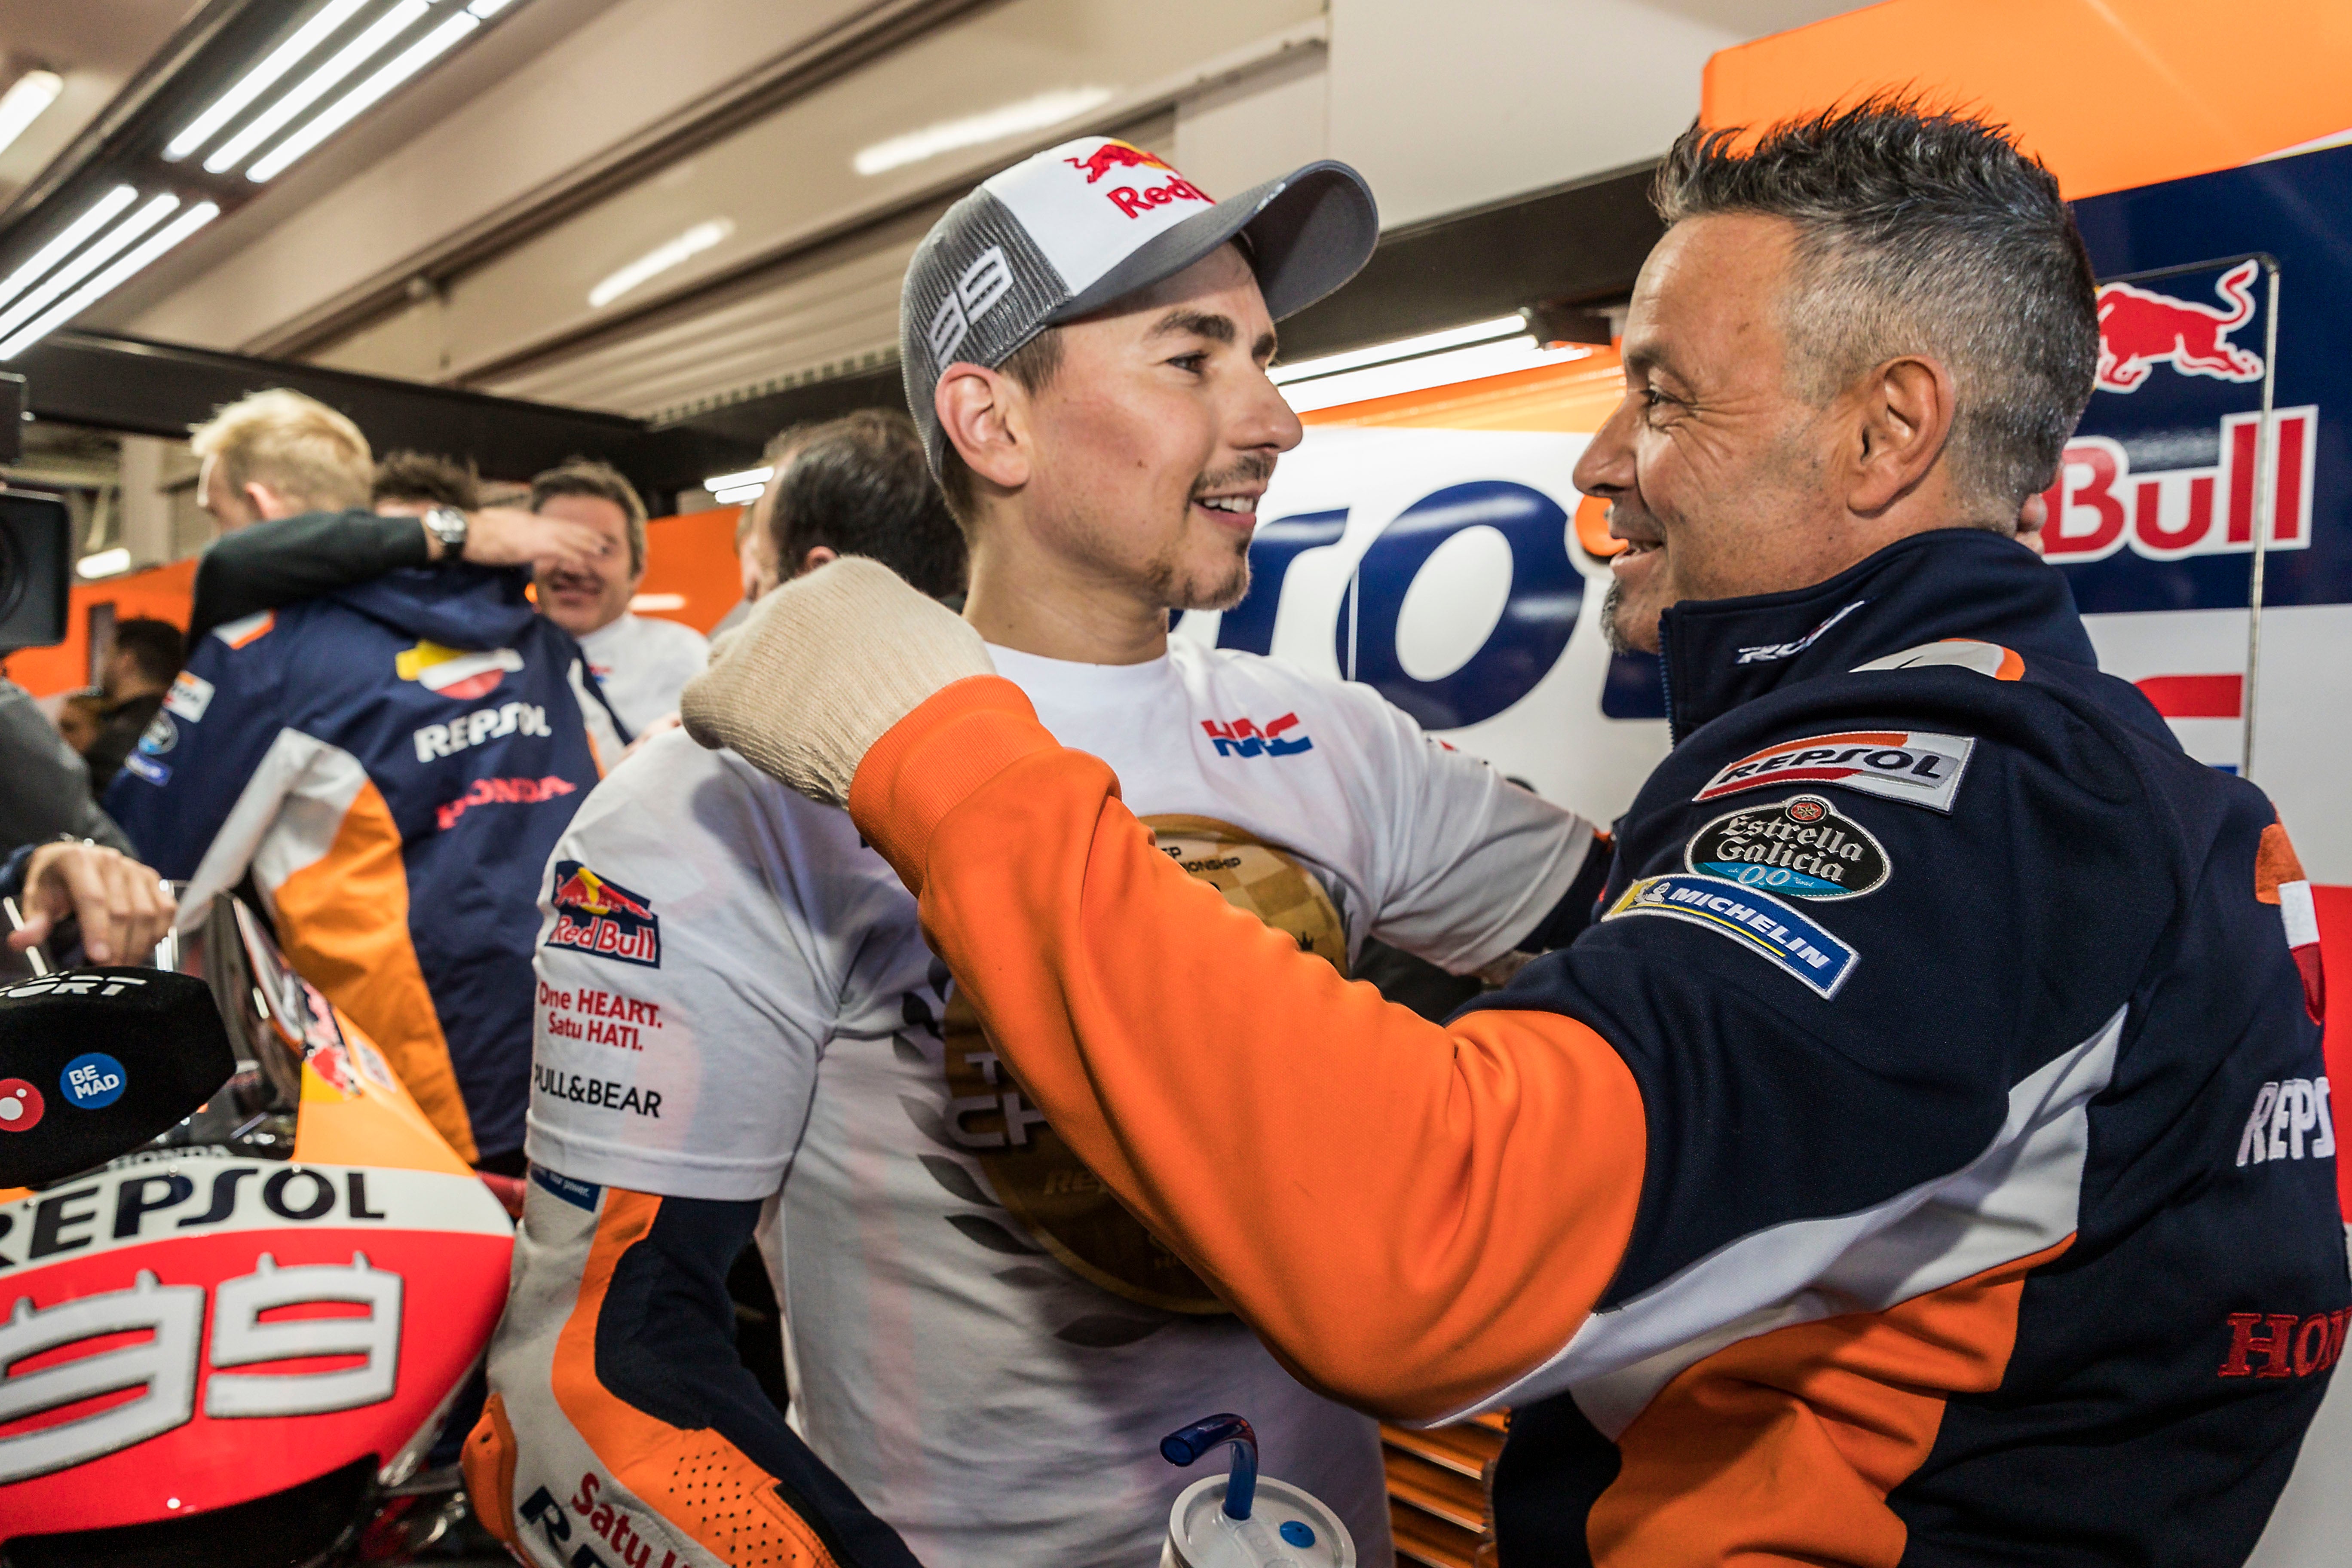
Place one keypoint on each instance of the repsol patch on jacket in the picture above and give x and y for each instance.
(1917, 767)
(1758, 921)
(1800, 847)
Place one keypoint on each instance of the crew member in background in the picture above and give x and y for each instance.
(641, 661)
(138, 672)
(1927, 1158)
(983, 1343)
(411, 484)
(392, 762)
(617, 1359)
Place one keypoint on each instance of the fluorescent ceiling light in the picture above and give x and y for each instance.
(1029, 114)
(99, 215)
(22, 103)
(1404, 348)
(260, 78)
(640, 603)
(109, 245)
(104, 563)
(113, 278)
(718, 482)
(1419, 374)
(660, 259)
(407, 64)
(315, 85)
(745, 495)
(485, 9)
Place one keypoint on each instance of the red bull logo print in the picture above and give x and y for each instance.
(1136, 200)
(603, 918)
(2140, 329)
(2099, 505)
(1243, 738)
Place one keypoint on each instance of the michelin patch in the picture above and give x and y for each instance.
(160, 736)
(1800, 847)
(1917, 767)
(1756, 920)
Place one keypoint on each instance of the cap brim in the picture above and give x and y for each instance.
(1307, 233)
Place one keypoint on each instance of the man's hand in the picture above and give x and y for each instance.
(124, 907)
(508, 536)
(823, 666)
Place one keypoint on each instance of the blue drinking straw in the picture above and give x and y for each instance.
(1183, 1446)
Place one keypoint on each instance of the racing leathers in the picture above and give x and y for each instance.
(392, 763)
(1927, 1158)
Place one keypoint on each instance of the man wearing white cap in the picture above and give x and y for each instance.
(982, 1342)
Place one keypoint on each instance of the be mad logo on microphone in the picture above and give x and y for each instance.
(92, 1081)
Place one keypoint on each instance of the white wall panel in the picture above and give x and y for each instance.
(1469, 103)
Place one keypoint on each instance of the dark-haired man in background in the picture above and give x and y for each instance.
(1926, 1158)
(138, 675)
(641, 661)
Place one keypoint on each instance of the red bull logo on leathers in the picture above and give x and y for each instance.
(2140, 329)
(603, 918)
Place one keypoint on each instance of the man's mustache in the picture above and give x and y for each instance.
(1254, 468)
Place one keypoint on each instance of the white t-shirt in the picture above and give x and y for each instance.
(735, 997)
(642, 664)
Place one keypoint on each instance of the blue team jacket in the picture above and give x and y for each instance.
(1991, 1189)
(392, 762)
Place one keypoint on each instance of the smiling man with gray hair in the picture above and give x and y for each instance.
(1927, 1158)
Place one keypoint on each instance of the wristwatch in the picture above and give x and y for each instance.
(447, 524)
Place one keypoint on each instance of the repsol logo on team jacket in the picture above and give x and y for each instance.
(482, 724)
(1915, 766)
(2291, 1121)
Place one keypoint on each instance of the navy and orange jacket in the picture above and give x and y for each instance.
(392, 762)
(1927, 1157)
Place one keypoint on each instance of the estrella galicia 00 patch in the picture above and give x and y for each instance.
(602, 918)
(1800, 847)
(1915, 766)
(1756, 920)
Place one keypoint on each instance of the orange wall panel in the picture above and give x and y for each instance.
(163, 592)
(2110, 93)
(693, 556)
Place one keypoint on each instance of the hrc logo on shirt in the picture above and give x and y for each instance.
(1243, 738)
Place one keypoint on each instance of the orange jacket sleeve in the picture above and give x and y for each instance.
(1412, 1216)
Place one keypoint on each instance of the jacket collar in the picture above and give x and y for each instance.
(458, 605)
(1968, 583)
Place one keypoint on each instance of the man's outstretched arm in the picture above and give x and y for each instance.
(279, 563)
(1414, 1216)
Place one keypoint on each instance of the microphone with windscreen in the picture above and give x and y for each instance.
(95, 1062)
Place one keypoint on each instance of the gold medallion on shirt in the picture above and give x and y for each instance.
(1064, 1207)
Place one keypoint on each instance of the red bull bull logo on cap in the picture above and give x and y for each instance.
(1129, 199)
(1116, 155)
(603, 918)
(2140, 329)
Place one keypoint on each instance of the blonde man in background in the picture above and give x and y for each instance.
(392, 759)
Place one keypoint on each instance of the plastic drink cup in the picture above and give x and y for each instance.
(1287, 1527)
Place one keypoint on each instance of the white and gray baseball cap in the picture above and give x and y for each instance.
(1080, 226)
